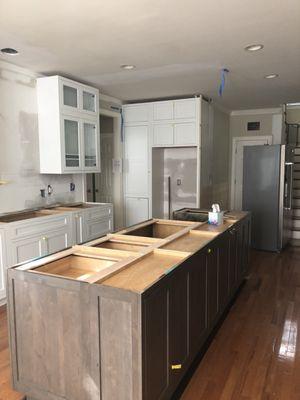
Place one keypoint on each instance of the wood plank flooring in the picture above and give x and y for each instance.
(255, 354)
(6, 392)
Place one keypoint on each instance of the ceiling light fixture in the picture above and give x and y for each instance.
(9, 51)
(271, 76)
(254, 47)
(127, 66)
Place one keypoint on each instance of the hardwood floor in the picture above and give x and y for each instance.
(6, 392)
(255, 354)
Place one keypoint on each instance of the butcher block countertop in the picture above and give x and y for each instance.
(134, 258)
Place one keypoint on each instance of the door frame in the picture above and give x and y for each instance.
(235, 141)
(118, 185)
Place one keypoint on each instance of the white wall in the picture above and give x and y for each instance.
(19, 154)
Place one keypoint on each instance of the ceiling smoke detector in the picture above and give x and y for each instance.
(127, 66)
(254, 47)
(9, 51)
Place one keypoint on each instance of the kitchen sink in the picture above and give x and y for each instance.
(156, 230)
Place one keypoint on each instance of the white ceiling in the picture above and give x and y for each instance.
(178, 46)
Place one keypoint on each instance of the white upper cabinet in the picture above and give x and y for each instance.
(163, 110)
(76, 97)
(69, 132)
(185, 134)
(163, 134)
(135, 113)
(185, 109)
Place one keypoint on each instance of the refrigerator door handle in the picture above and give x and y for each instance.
(169, 197)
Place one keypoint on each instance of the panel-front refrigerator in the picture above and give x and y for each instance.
(267, 193)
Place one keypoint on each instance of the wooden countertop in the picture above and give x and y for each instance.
(154, 257)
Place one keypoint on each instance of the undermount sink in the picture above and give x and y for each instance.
(20, 216)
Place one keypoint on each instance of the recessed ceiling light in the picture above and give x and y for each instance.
(271, 76)
(9, 51)
(127, 66)
(254, 47)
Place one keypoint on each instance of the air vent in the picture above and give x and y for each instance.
(253, 126)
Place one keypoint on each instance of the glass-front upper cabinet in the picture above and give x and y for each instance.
(89, 101)
(91, 146)
(71, 128)
(76, 97)
(70, 96)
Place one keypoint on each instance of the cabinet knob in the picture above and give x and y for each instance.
(176, 366)
(232, 231)
(44, 238)
(209, 251)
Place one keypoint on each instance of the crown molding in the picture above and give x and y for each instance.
(257, 111)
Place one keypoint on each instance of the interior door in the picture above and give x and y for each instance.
(238, 159)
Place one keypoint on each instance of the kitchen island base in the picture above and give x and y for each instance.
(123, 325)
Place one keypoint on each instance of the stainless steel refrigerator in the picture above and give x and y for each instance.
(267, 193)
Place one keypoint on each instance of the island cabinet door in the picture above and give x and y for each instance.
(178, 324)
(233, 254)
(155, 311)
(212, 283)
(197, 301)
(223, 259)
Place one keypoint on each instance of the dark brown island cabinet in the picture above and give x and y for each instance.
(123, 317)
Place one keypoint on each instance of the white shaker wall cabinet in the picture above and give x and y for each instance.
(170, 123)
(69, 132)
(176, 123)
(137, 162)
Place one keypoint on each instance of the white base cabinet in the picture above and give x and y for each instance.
(137, 210)
(38, 237)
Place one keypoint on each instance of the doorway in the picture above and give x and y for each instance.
(106, 186)
(238, 145)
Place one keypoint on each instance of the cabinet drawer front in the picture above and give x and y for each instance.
(98, 212)
(136, 113)
(163, 135)
(25, 250)
(95, 229)
(163, 110)
(184, 109)
(185, 134)
(39, 226)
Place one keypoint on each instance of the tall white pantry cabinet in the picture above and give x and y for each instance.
(170, 123)
(69, 132)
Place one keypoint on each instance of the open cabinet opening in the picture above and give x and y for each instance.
(174, 180)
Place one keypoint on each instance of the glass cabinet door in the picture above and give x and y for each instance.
(90, 137)
(72, 143)
(88, 101)
(70, 96)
